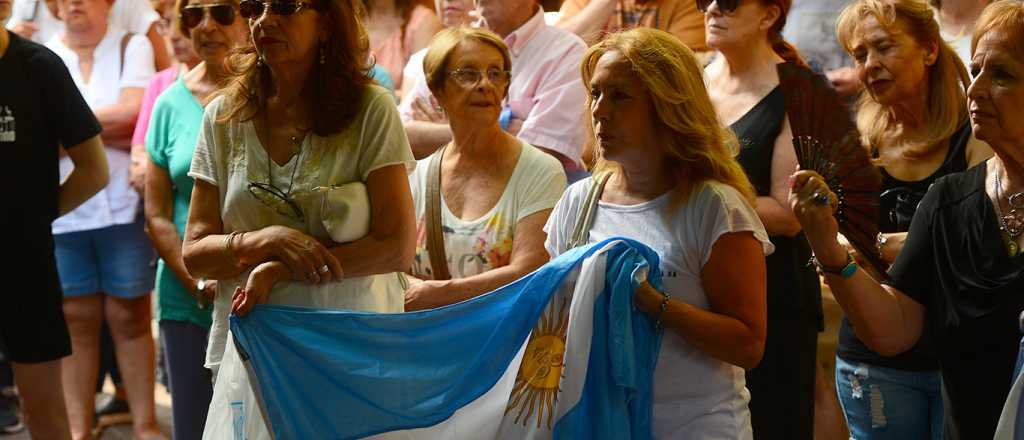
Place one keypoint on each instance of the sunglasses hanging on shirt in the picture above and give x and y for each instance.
(222, 13)
(726, 6)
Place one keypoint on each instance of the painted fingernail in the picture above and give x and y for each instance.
(792, 182)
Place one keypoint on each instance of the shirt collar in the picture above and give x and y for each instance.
(518, 38)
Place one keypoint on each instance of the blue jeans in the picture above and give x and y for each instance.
(886, 403)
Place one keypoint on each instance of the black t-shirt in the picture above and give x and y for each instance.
(898, 202)
(40, 110)
(954, 264)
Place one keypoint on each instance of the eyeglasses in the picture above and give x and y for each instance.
(725, 6)
(471, 77)
(192, 15)
(253, 9)
(277, 200)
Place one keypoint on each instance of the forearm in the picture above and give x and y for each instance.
(777, 219)
(118, 122)
(470, 287)
(164, 236)
(590, 21)
(81, 185)
(722, 337)
(426, 137)
(210, 256)
(893, 246)
(375, 255)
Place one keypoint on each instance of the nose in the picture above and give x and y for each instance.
(599, 109)
(713, 9)
(979, 87)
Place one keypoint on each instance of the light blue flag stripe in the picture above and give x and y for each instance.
(344, 374)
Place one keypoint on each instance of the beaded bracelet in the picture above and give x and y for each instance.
(661, 313)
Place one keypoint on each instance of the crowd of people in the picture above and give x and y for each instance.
(200, 152)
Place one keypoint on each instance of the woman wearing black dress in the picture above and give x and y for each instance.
(744, 87)
(960, 275)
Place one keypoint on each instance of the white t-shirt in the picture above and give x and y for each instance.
(230, 156)
(413, 70)
(134, 15)
(695, 395)
(118, 203)
(476, 246)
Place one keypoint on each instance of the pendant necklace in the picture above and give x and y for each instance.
(1011, 225)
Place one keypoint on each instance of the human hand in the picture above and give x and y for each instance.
(844, 80)
(428, 294)
(137, 170)
(428, 110)
(814, 205)
(306, 258)
(257, 287)
(514, 125)
(25, 29)
(204, 296)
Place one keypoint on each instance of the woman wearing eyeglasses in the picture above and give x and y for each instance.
(470, 242)
(744, 87)
(214, 28)
(299, 118)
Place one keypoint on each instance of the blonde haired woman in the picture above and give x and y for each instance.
(493, 235)
(959, 276)
(670, 181)
(912, 115)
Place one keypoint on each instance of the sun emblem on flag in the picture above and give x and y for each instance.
(536, 389)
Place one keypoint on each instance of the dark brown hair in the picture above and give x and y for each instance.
(782, 47)
(333, 88)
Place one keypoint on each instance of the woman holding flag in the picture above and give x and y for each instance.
(666, 177)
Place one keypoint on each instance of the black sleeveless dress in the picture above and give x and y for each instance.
(782, 386)
(898, 202)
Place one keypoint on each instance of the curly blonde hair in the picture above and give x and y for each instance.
(700, 148)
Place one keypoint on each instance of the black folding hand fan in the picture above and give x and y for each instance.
(827, 141)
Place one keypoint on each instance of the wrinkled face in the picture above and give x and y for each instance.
(749, 21)
(996, 96)
(892, 66)
(84, 15)
(287, 38)
(212, 40)
(453, 12)
(622, 111)
(469, 101)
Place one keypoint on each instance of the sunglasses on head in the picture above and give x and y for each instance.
(192, 15)
(725, 6)
(252, 9)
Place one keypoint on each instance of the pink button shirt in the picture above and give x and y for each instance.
(546, 90)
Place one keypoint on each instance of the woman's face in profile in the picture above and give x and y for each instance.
(996, 96)
(475, 83)
(622, 110)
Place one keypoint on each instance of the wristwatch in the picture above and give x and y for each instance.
(201, 286)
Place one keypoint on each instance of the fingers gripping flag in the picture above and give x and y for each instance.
(560, 353)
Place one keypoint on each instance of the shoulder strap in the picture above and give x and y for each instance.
(435, 235)
(124, 47)
(585, 217)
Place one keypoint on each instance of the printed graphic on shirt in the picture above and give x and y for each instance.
(7, 125)
(470, 250)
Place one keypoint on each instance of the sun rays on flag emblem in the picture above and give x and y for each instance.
(536, 388)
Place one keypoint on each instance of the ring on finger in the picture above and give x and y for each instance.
(820, 198)
(311, 275)
(324, 269)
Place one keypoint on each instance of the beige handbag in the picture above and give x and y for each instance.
(345, 211)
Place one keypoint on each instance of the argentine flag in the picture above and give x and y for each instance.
(561, 353)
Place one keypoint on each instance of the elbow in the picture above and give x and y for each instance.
(100, 179)
(751, 356)
(886, 346)
(189, 257)
(791, 228)
(405, 251)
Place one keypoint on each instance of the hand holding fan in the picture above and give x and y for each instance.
(827, 141)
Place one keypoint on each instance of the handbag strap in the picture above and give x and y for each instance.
(435, 235)
(581, 231)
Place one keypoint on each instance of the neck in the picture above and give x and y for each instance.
(214, 72)
(85, 39)
(504, 28)
(911, 113)
(1012, 169)
(958, 15)
(646, 180)
(749, 60)
(5, 40)
(475, 141)
(289, 80)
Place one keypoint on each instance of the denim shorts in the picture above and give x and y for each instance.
(118, 260)
(886, 403)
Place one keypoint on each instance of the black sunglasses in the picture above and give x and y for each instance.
(192, 15)
(253, 9)
(725, 6)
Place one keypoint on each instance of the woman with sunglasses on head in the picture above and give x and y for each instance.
(103, 254)
(913, 118)
(670, 181)
(492, 235)
(214, 29)
(299, 122)
(959, 276)
(743, 82)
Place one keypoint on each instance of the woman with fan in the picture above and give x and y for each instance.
(959, 275)
(744, 85)
(913, 118)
